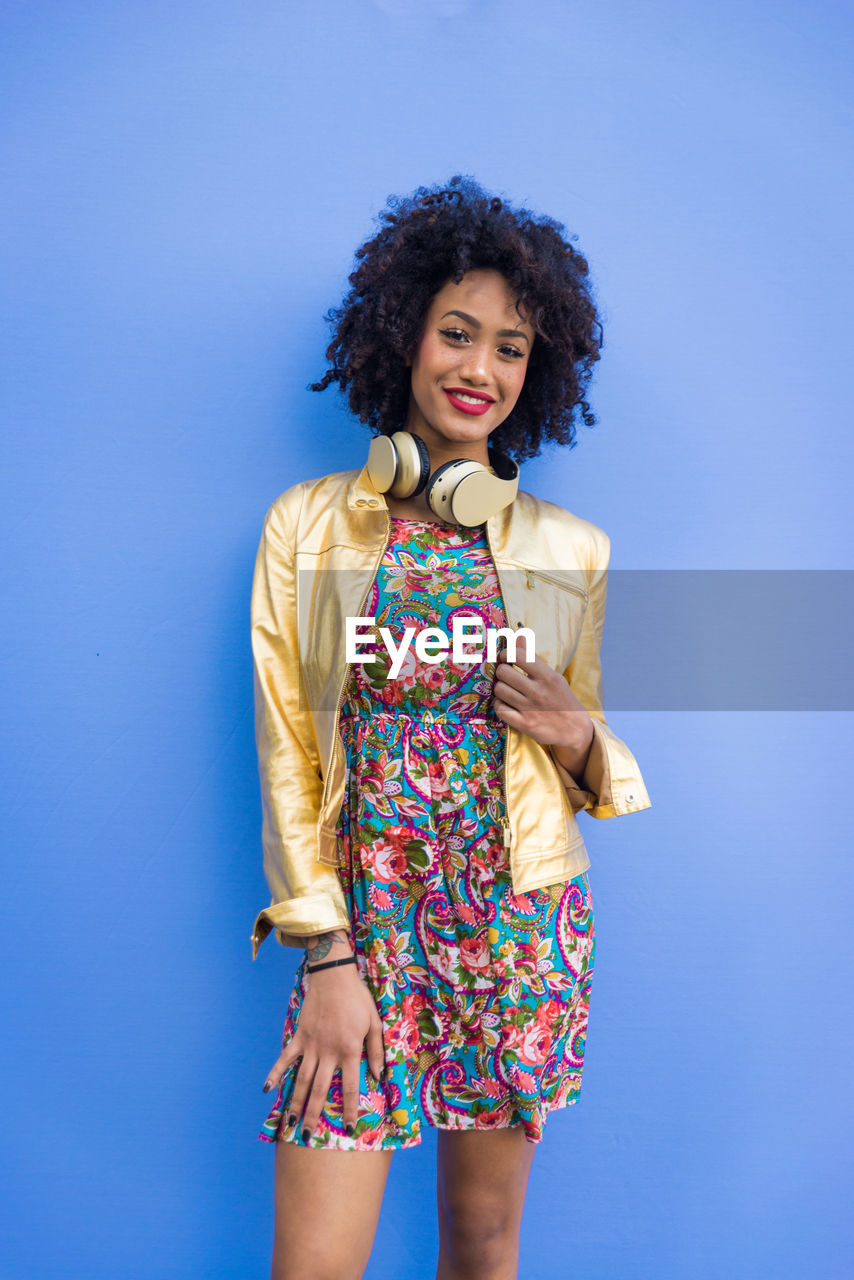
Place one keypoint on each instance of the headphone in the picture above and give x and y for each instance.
(460, 491)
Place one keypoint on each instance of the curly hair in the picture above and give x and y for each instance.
(438, 234)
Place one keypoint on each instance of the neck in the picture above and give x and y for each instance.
(442, 450)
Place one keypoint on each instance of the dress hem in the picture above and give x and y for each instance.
(337, 1143)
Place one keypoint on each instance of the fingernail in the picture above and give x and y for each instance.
(292, 1118)
(349, 1130)
(306, 1134)
(268, 1086)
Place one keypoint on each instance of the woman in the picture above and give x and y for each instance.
(420, 834)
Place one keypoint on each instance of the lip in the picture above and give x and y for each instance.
(476, 409)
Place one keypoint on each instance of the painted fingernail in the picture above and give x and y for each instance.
(306, 1134)
(292, 1118)
(349, 1130)
(268, 1086)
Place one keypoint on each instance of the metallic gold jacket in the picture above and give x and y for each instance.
(320, 549)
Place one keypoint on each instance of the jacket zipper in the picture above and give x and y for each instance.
(344, 677)
(507, 830)
(558, 582)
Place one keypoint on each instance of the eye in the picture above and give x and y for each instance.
(459, 335)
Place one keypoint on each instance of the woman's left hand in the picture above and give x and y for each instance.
(539, 701)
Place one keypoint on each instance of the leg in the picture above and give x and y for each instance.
(327, 1204)
(481, 1184)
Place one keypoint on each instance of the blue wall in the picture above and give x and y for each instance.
(184, 188)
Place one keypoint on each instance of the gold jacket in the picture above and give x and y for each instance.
(552, 571)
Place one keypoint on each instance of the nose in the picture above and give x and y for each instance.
(476, 364)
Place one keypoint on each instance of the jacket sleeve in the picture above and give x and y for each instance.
(307, 895)
(612, 782)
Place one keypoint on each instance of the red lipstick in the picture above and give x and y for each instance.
(485, 402)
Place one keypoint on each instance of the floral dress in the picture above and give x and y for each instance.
(483, 994)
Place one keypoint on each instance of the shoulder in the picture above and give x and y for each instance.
(285, 509)
(559, 526)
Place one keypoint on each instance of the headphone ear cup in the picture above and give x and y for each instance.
(465, 493)
(413, 464)
(424, 456)
(439, 492)
(382, 463)
(450, 482)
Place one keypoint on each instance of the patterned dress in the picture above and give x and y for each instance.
(483, 995)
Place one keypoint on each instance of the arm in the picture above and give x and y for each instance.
(328, 946)
(573, 760)
(609, 781)
(307, 897)
(338, 1017)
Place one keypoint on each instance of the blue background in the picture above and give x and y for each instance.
(184, 187)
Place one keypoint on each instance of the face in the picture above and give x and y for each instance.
(469, 365)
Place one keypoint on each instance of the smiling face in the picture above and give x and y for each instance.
(468, 367)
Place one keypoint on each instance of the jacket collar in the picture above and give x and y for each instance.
(362, 495)
(361, 492)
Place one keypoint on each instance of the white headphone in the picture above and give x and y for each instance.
(460, 491)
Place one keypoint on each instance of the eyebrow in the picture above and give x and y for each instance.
(502, 333)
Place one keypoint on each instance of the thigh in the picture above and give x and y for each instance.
(327, 1204)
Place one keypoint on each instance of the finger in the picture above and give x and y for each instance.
(318, 1096)
(509, 694)
(375, 1050)
(350, 1092)
(520, 668)
(523, 657)
(513, 717)
(302, 1085)
(522, 651)
(290, 1052)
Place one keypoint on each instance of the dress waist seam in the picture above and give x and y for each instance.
(422, 717)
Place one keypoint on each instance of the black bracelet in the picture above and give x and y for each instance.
(330, 964)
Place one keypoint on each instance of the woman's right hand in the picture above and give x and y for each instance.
(337, 1017)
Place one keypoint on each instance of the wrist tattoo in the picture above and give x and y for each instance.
(319, 947)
